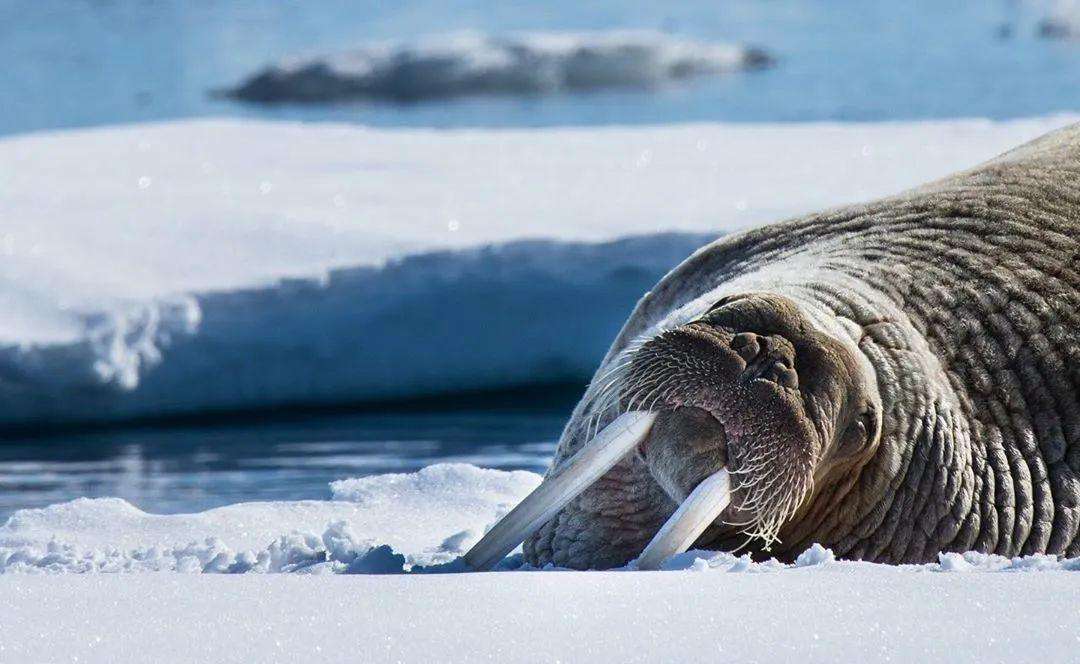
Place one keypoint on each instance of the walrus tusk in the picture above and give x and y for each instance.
(701, 508)
(590, 462)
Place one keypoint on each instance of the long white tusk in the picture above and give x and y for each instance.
(594, 459)
(704, 504)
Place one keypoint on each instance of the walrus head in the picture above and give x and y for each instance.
(756, 388)
(742, 415)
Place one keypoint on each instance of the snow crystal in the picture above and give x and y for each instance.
(954, 562)
(973, 561)
(815, 555)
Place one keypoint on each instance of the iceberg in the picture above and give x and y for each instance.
(472, 63)
(1062, 20)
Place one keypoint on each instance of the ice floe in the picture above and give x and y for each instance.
(224, 265)
(473, 63)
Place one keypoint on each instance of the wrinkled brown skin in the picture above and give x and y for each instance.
(964, 298)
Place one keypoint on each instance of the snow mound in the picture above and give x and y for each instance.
(819, 558)
(386, 524)
(472, 63)
(379, 524)
(248, 265)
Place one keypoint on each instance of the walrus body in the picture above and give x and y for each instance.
(960, 303)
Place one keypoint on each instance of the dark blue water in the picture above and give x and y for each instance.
(81, 62)
(170, 470)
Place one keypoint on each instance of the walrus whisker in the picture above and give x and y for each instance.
(594, 459)
(601, 402)
(703, 506)
(663, 397)
(602, 399)
(647, 397)
(613, 378)
(653, 383)
(600, 405)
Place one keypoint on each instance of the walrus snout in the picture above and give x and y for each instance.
(752, 387)
(717, 413)
(682, 445)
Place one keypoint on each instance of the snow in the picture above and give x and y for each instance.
(389, 523)
(175, 268)
(473, 63)
(968, 607)
(848, 614)
(430, 516)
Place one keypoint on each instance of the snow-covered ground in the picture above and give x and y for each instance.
(964, 608)
(840, 613)
(179, 267)
(474, 63)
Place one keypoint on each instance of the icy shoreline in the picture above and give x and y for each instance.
(221, 265)
(382, 524)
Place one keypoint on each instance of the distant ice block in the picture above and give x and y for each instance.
(470, 63)
(1062, 20)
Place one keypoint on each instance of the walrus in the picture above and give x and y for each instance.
(891, 380)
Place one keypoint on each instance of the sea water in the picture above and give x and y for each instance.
(110, 61)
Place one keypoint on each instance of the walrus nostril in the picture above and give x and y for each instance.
(747, 346)
(780, 372)
(769, 358)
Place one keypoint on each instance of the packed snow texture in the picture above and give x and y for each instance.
(966, 607)
(473, 63)
(175, 268)
(371, 524)
(836, 613)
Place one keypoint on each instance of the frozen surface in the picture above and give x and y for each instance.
(173, 268)
(473, 63)
(968, 607)
(399, 520)
(430, 516)
(841, 614)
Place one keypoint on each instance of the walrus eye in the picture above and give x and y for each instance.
(858, 433)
